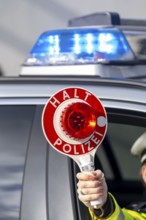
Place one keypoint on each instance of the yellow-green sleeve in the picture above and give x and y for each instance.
(120, 214)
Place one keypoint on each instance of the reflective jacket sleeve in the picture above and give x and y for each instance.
(120, 214)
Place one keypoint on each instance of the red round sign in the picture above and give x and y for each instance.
(74, 121)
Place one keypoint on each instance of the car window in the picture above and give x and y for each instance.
(121, 138)
(15, 129)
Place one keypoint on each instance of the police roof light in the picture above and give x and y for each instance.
(82, 46)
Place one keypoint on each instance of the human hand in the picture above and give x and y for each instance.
(91, 186)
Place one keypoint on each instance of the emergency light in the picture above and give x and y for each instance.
(76, 47)
(74, 123)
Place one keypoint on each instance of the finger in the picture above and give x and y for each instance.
(89, 191)
(94, 175)
(90, 197)
(89, 184)
(86, 176)
(98, 174)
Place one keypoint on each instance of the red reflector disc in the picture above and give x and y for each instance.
(74, 121)
(78, 120)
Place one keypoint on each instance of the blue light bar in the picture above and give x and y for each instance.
(80, 46)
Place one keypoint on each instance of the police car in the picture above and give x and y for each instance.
(100, 53)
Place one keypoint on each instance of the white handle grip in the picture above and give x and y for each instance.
(96, 202)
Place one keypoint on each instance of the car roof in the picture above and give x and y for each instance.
(35, 90)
